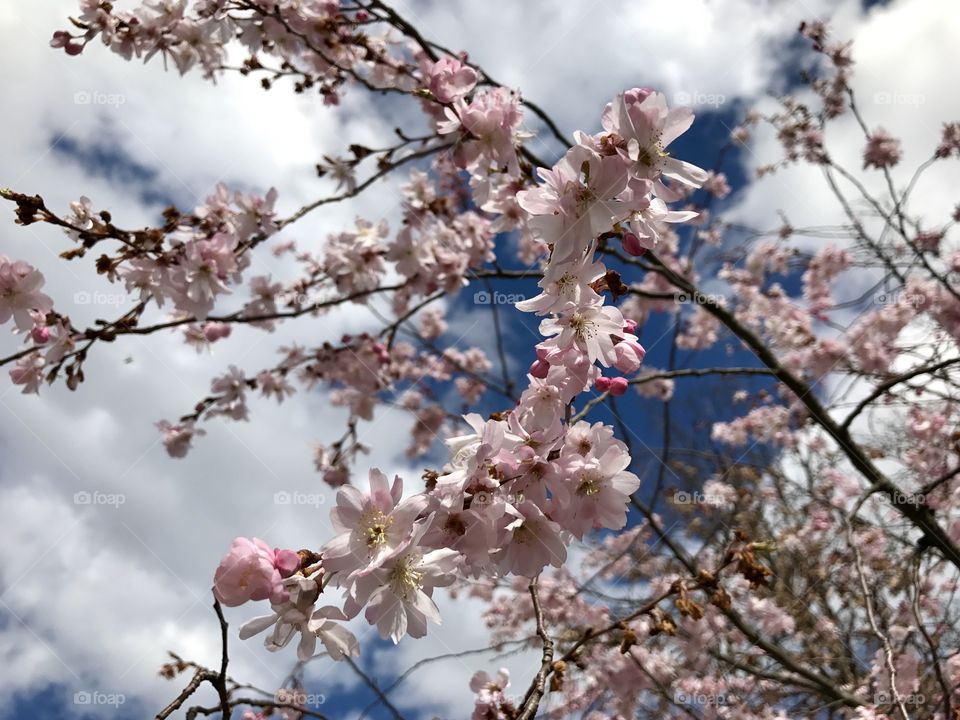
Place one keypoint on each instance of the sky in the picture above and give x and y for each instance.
(93, 595)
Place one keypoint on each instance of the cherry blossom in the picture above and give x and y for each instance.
(589, 329)
(253, 571)
(450, 79)
(640, 127)
(20, 294)
(372, 526)
(397, 593)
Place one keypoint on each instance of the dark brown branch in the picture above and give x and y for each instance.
(920, 515)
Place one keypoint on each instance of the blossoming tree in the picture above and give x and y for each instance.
(816, 578)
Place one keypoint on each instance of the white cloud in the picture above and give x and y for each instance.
(919, 105)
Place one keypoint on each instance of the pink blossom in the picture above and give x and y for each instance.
(616, 386)
(577, 200)
(716, 184)
(29, 372)
(635, 245)
(629, 355)
(949, 141)
(296, 613)
(370, 526)
(63, 39)
(451, 80)
(640, 127)
(253, 571)
(177, 438)
(488, 127)
(589, 329)
(882, 151)
(532, 542)
(489, 694)
(214, 331)
(20, 294)
(565, 283)
(397, 594)
(597, 491)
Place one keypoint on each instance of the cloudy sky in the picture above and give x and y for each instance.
(93, 595)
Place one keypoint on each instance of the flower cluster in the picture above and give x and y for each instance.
(205, 255)
(522, 484)
(31, 312)
(192, 263)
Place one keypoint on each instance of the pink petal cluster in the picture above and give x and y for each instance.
(521, 486)
(882, 151)
(451, 80)
(252, 570)
(20, 294)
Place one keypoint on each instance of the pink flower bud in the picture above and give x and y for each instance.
(40, 334)
(451, 80)
(615, 386)
(249, 572)
(633, 244)
(629, 356)
(383, 355)
(214, 331)
(629, 325)
(62, 39)
(635, 96)
(539, 369)
(618, 386)
(336, 477)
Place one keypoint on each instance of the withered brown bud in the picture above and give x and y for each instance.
(74, 253)
(751, 568)
(720, 598)
(430, 479)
